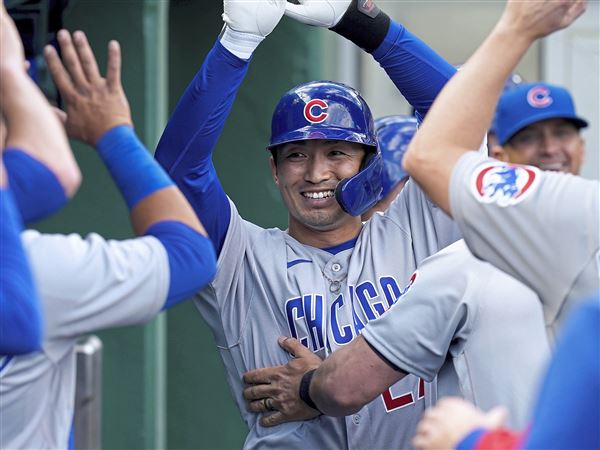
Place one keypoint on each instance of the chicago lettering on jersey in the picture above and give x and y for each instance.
(309, 316)
(308, 319)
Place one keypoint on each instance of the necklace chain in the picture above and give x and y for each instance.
(335, 285)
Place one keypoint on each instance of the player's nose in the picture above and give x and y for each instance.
(551, 145)
(317, 169)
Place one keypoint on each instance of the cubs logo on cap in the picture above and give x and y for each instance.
(314, 110)
(539, 97)
(504, 184)
(529, 103)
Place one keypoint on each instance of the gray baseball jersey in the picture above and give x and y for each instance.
(268, 284)
(540, 227)
(84, 285)
(481, 331)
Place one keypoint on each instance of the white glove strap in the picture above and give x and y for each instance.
(240, 44)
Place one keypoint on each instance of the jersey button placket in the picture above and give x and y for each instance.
(356, 419)
(333, 273)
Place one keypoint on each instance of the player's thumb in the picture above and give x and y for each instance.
(496, 417)
(292, 346)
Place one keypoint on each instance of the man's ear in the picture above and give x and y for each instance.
(498, 152)
(273, 170)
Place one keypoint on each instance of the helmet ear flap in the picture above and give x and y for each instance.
(394, 134)
(360, 192)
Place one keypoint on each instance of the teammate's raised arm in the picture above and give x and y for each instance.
(185, 148)
(418, 71)
(38, 157)
(98, 114)
(462, 113)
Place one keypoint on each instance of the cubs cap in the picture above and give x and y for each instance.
(532, 102)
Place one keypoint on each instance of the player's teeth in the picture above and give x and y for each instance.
(318, 195)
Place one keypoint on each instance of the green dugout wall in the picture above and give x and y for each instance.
(164, 384)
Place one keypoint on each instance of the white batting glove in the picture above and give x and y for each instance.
(248, 22)
(318, 13)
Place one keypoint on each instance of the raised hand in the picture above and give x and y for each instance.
(257, 17)
(94, 104)
(273, 391)
(318, 13)
(537, 19)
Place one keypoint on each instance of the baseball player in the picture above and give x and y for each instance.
(456, 311)
(532, 130)
(530, 213)
(327, 275)
(562, 419)
(393, 135)
(30, 124)
(91, 284)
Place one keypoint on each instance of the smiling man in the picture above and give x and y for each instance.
(328, 274)
(536, 124)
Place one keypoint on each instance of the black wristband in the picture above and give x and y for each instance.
(364, 24)
(304, 390)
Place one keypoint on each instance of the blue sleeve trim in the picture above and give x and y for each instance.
(36, 189)
(470, 442)
(135, 172)
(192, 259)
(186, 146)
(20, 313)
(418, 72)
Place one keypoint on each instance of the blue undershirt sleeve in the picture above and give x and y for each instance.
(192, 259)
(36, 189)
(20, 310)
(186, 146)
(124, 154)
(418, 72)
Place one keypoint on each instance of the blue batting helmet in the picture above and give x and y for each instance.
(333, 111)
(394, 133)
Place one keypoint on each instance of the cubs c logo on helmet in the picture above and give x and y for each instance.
(314, 111)
(503, 184)
(539, 97)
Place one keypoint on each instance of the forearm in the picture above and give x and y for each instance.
(192, 260)
(186, 146)
(476, 88)
(418, 72)
(33, 127)
(21, 317)
(330, 398)
(353, 364)
(199, 117)
(460, 116)
(148, 191)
